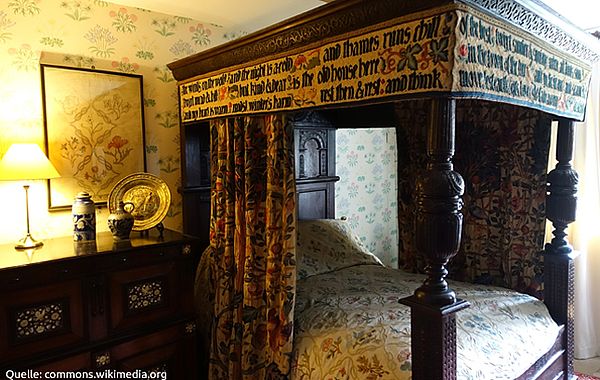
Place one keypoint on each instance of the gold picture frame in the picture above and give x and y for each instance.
(94, 131)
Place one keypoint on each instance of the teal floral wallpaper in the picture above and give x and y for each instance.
(366, 194)
(91, 34)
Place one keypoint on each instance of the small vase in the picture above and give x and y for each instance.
(84, 218)
(121, 221)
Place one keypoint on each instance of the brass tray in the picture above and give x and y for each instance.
(149, 194)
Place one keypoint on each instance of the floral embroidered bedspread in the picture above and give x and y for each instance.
(349, 325)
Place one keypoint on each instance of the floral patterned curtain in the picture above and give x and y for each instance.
(253, 239)
(502, 154)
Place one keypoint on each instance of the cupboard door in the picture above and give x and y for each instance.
(141, 296)
(39, 319)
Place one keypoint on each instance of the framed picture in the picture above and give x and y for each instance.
(94, 127)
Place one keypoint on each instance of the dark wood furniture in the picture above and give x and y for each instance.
(82, 307)
(314, 148)
(439, 188)
(195, 180)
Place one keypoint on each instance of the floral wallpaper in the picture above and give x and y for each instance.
(91, 34)
(366, 193)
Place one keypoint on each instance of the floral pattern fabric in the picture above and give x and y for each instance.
(324, 245)
(253, 242)
(502, 154)
(349, 325)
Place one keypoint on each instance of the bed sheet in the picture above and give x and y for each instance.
(349, 325)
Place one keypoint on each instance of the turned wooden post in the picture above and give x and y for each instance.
(438, 230)
(559, 268)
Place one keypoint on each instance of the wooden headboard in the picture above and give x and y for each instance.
(315, 153)
(314, 149)
(314, 139)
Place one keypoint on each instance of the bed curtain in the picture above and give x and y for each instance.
(252, 255)
(502, 154)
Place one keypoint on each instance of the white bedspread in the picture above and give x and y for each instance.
(349, 325)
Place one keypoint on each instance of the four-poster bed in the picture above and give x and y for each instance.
(354, 53)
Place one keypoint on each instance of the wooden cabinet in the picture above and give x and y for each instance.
(122, 307)
(195, 179)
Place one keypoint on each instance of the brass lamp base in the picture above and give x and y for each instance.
(28, 242)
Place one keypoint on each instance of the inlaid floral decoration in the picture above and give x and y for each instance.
(102, 35)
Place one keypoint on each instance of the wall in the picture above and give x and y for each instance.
(88, 34)
(366, 162)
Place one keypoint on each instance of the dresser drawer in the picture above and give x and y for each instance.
(147, 256)
(76, 363)
(41, 318)
(40, 275)
(171, 351)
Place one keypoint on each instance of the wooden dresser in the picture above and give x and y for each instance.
(106, 307)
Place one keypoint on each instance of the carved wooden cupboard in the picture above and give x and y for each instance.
(126, 307)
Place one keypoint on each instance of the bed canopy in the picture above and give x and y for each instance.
(356, 52)
(350, 52)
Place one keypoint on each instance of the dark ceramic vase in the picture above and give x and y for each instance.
(121, 221)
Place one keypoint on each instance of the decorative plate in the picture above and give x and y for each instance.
(149, 194)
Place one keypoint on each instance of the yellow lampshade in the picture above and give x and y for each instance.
(26, 161)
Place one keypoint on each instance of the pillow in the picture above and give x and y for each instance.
(325, 245)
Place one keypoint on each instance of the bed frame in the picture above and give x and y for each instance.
(439, 189)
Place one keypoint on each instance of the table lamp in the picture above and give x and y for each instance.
(26, 162)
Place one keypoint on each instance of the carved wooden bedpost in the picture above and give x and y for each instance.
(559, 268)
(438, 230)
